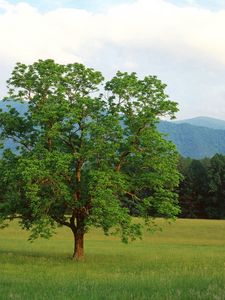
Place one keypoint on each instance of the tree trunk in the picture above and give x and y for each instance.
(78, 253)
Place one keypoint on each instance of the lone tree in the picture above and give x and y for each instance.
(83, 158)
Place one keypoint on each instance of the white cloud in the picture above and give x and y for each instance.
(145, 36)
(66, 33)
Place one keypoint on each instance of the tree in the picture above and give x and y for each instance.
(216, 192)
(193, 189)
(84, 157)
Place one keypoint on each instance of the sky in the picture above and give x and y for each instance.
(180, 41)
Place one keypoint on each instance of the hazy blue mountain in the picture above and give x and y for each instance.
(21, 107)
(194, 141)
(205, 122)
(191, 140)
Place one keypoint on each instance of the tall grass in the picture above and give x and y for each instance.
(184, 261)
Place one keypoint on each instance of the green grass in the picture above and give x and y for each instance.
(184, 261)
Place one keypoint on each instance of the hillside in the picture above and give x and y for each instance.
(22, 108)
(194, 141)
(204, 122)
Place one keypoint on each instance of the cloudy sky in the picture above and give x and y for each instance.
(180, 41)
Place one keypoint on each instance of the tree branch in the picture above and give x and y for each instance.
(61, 222)
(132, 195)
(121, 160)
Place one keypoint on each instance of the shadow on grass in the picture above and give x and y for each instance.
(20, 256)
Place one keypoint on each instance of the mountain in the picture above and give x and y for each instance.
(194, 141)
(21, 107)
(196, 138)
(204, 122)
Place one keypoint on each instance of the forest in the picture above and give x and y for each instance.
(202, 188)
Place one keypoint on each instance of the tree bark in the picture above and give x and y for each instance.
(78, 253)
(78, 229)
(78, 246)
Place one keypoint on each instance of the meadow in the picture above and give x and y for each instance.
(186, 260)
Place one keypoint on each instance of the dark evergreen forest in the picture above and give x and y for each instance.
(202, 188)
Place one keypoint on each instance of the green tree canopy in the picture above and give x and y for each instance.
(86, 149)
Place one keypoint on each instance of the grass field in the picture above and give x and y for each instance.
(184, 261)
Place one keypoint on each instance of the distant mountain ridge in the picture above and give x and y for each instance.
(194, 141)
(196, 138)
(20, 107)
(204, 122)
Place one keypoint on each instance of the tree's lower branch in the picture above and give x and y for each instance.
(10, 218)
(60, 221)
(132, 195)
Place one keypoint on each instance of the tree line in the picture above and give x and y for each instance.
(202, 189)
